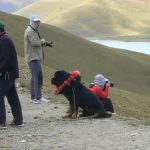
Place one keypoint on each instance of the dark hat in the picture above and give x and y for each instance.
(2, 24)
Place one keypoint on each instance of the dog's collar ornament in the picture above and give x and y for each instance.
(73, 75)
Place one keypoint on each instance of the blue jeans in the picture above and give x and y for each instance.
(36, 79)
(8, 89)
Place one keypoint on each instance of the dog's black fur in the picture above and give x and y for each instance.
(79, 96)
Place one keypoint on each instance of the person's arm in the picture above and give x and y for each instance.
(99, 92)
(105, 91)
(6, 50)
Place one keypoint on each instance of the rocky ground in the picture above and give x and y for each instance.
(45, 129)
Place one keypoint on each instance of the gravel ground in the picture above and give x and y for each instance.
(45, 129)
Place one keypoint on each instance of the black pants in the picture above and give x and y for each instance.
(108, 106)
(8, 89)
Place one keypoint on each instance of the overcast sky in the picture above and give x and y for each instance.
(13, 5)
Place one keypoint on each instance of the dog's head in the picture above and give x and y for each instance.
(59, 77)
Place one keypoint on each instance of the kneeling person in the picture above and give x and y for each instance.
(100, 87)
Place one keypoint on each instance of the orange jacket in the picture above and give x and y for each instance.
(101, 93)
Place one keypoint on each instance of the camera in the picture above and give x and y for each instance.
(49, 44)
(112, 84)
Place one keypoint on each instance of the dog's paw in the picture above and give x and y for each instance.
(93, 116)
(74, 116)
(68, 115)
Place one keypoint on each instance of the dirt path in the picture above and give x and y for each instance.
(46, 130)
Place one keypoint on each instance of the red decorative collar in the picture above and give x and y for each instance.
(72, 76)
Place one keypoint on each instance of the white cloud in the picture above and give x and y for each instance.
(17, 3)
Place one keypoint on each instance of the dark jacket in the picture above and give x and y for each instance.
(8, 59)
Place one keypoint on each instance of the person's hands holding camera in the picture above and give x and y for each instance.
(43, 42)
(111, 84)
(49, 44)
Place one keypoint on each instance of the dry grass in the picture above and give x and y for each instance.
(89, 18)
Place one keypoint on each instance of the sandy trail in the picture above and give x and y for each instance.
(46, 130)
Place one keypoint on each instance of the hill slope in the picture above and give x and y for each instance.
(130, 71)
(93, 17)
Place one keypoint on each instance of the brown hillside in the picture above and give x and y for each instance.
(92, 18)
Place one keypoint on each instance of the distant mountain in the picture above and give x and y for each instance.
(10, 6)
(93, 18)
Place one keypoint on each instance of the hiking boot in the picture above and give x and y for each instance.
(103, 115)
(43, 100)
(16, 124)
(40, 101)
(3, 126)
(35, 101)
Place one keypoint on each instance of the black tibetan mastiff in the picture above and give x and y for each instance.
(69, 85)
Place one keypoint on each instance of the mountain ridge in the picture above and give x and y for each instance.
(94, 17)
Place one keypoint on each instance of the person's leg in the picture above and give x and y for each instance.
(13, 100)
(37, 79)
(96, 108)
(40, 75)
(31, 82)
(108, 105)
(4, 87)
(98, 113)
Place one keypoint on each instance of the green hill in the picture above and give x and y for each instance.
(130, 71)
(90, 18)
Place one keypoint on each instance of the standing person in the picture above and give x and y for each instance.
(100, 87)
(34, 44)
(8, 73)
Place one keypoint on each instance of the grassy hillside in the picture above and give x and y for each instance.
(130, 71)
(94, 17)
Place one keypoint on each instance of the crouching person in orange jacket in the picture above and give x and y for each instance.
(100, 87)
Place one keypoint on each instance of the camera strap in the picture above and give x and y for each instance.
(40, 39)
(36, 31)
